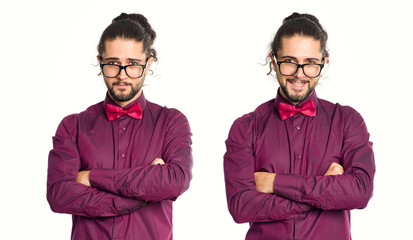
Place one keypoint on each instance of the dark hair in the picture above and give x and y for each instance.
(130, 26)
(300, 24)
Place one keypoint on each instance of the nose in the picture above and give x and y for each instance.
(300, 72)
(122, 74)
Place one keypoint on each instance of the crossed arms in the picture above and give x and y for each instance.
(264, 181)
(83, 177)
(264, 197)
(113, 192)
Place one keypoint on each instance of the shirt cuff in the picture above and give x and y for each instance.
(102, 179)
(288, 186)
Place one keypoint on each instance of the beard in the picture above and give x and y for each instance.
(296, 97)
(122, 96)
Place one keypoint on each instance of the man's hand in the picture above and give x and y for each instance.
(158, 161)
(83, 178)
(334, 169)
(264, 182)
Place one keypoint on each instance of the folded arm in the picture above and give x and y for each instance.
(66, 195)
(245, 202)
(155, 182)
(264, 181)
(350, 190)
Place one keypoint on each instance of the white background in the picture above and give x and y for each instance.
(210, 56)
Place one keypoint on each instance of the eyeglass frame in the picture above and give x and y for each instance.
(300, 66)
(124, 67)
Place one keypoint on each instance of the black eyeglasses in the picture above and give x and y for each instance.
(113, 70)
(310, 70)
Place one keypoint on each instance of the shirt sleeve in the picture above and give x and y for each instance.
(154, 182)
(349, 191)
(65, 195)
(245, 203)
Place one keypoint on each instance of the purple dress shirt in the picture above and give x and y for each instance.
(305, 204)
(129, 197)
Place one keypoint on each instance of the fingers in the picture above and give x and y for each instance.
(83, 178)
(264, 182)
(158, 161)
(337, 169)
(334, 169)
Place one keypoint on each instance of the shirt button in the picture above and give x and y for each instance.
(299, 156)
(123, 155)
(123, 128)
(298, 127)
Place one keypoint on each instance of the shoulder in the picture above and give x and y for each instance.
(336, 108)
(70, 123)
(348, 116)
(163, 111)
(261, 113)
(249, 124)
(170, 117)
(93, 111)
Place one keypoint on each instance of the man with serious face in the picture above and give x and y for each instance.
(297, 165)
(118, 165)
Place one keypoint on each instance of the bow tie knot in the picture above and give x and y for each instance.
(287, 110)
(114, 112)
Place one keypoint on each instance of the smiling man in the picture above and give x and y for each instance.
(118, 165)
(297, 165)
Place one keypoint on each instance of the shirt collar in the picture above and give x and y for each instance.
(279, 99)
(141, 100)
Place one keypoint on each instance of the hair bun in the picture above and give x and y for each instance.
(130, 26)
(139, 19)
(310, 17)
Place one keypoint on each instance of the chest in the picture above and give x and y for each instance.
(123, 143)
(299, 145)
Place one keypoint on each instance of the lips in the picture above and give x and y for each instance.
(122, 86)
(297, 82)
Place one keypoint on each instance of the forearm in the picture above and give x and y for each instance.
(253, 206)
(252, 200)
(65, 195)
(351, 190)
(340, 192)
(68, 196)
(151, 183)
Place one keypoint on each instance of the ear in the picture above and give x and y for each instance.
(148, 65)
(274, 65)
(98, 58)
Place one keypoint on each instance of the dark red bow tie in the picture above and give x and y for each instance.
(287, 110)
(114, 112)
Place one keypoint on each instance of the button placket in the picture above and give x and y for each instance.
(123, 143)
(123, 130)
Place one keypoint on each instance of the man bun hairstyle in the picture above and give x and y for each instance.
(302, 25)
(130, 26)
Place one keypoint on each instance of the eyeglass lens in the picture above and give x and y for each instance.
(310, 70)
(133, 71)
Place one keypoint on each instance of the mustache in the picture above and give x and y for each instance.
(297, 79)
(121, 83)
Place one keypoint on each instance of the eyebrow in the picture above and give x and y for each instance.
(284, 57)
(117, 59)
